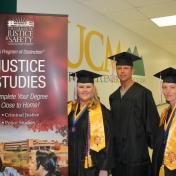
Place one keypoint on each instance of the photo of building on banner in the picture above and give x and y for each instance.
(33, 94)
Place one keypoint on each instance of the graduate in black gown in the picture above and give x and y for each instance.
(89, 135)
(135, 121)
(164, 152)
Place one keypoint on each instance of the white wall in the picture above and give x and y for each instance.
(154, 58)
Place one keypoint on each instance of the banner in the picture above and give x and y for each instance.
(33, 93)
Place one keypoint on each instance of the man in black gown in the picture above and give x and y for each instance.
(135, 121)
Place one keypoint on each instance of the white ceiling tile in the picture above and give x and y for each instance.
(170, 49)
(140, 3)
(172, 35)
(149, 31)
(126, 16)
(169, 29)
(80, 0)
(140, 24)
(168, 45)
(157, 37)
(159, 10)
(164, 41)
(106, 6)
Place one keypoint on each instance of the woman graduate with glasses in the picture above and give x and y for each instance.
(164, 152)
(89, 135)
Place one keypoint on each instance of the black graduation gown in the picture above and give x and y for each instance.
(158, 153)
(135, 121)
(77, 146)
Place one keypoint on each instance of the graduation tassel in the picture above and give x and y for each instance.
(75, 87)
(113, 69)
(160, 91)
(90, 161)
(86, 163)
(88, 158)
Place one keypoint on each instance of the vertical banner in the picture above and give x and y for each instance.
(33, 94)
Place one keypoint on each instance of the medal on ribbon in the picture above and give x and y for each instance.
(73, 129)
(75, 120)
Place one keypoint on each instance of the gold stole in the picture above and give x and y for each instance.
(69, 107)
(161, 171)
(170, 149)
(97, 135)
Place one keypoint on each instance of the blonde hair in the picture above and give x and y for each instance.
(93, 102)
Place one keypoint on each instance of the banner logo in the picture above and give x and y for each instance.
(139, 64)
(20, 32)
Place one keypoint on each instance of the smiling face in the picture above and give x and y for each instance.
(169, 91)
(124, 72)
(85, 91)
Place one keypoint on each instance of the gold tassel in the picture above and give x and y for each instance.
(161, 172)
(90, 161)
(85, 163)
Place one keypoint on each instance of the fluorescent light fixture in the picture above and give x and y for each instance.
(165, 21)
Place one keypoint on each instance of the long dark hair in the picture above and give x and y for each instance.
(48, 160)
(1, 166)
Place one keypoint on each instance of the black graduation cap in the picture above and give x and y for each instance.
(124, 58)
(85, 76)
(168, 75)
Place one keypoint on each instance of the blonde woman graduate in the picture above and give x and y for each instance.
(90, 132)
(164, 152)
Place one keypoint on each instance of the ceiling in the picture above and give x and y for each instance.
(135, 15)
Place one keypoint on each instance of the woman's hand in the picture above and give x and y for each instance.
(103, 173)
